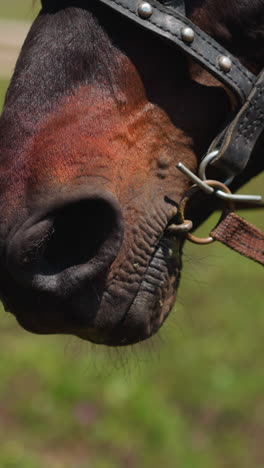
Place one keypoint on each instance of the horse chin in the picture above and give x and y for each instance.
(116, 324)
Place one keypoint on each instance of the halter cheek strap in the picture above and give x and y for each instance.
(169, 24)
(166, 18)
(178, 5)
(238, 140)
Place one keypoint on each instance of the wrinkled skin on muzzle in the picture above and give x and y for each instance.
(91, 133)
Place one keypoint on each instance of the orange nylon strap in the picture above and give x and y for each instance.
(241, 236)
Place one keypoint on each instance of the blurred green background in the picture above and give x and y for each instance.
(193, 397)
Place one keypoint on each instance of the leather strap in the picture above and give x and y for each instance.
(237, 141)
(168, 24)
(240, 236)
(236, 144)
(178, 5)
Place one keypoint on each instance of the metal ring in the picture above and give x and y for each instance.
(187, 197)
(207, 160)
(186, 226)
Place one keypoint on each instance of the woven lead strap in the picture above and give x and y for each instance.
(241, 236)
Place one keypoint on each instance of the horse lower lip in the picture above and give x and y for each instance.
(149, 306)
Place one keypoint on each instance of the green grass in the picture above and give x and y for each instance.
(192, 398)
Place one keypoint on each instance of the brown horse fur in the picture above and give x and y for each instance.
(96, 117)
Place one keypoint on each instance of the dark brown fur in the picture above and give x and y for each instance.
(96, 117)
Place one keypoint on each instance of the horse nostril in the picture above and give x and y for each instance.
(75, 241)
(79, 232)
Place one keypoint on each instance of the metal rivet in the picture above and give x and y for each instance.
(145, 10)
(187, 34)
(225, 63)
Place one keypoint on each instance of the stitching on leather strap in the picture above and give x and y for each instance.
(198, 52)
(244, 127)
(205, 38)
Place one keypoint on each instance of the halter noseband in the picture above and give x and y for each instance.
(166, 18)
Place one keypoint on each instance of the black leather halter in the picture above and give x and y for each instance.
(166, 18)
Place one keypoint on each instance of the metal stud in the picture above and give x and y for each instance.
(187, 34)
(145, 10)
(225, 63)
